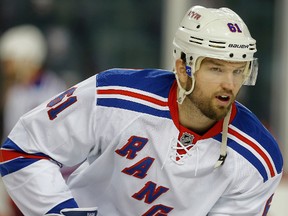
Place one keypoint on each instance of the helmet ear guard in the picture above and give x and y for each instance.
(183, 92)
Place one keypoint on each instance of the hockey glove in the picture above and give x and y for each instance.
(77, 212)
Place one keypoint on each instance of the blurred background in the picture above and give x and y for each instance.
(88, 36)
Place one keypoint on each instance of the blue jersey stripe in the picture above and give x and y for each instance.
(133, 106)
(9, 144)
(249, 124)
(246, 154)
(150, 80)
(250, 157)
(15, 165)
(70, 203)
(153, 81)
(246, 122)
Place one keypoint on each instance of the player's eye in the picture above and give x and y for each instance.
(238, 71)
(215, 69)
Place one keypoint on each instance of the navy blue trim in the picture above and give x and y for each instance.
(9, 144)
(250, 157)
(247, 155)
(70, 203)
(155, 81)
(15, 165)
(133, 106)
(18, 163)
(247, 122)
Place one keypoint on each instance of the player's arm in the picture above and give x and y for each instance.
(59, 131)
(252, 197)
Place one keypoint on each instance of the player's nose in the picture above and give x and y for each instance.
(229, 81)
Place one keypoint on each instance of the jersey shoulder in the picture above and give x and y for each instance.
(250, 138)
(155, 81)
(137, 90)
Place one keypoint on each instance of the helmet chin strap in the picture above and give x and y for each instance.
(223, 148)
(183, 92)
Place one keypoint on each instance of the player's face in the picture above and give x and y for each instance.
(217, 83)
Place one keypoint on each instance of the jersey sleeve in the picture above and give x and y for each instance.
(57, 132)
(249, 195)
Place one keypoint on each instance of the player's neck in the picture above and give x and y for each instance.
(193, 119)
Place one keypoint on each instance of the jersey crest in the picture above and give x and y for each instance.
(186, 139)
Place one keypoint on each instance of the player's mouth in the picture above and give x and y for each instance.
(223, 99)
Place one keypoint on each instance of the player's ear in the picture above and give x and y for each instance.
(181, 70)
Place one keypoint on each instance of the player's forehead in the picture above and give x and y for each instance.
(220, 62)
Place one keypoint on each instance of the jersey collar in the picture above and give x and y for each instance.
(174, 112)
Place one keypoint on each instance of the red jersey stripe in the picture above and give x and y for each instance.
(133, 94)
(7, 155)
(255, 147)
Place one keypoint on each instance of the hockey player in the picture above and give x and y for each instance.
(22, 54)
(152, 142)
(28, 82)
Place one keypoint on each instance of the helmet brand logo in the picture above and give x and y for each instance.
(194, 15)
(241, 46)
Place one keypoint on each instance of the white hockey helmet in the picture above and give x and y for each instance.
(23, 43)
(215, 33)
(25, 47)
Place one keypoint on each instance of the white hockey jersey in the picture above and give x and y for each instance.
(122, 126)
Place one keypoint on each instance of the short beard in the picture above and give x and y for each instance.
(206, 107)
